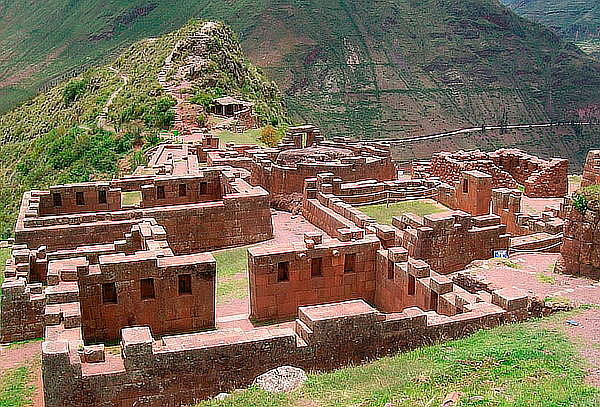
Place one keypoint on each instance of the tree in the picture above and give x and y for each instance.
(269, 136)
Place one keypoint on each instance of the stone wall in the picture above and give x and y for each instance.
(240, 216)
(450, 241)
(22, 316)
(187, 368)
(591, 169)
(506, 203)
(471, 194)
(581, 245)
(508, 168)
(324, 270)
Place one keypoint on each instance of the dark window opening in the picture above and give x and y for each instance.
(283, 271)
(203, 188)
(433, 304)
(57, 199)
(316, 267)
(182, 189)
(185, 284)
(102, 197)
(465, 185)
(412, 284)
(349, 263)
(109, 293)
(160, 192)
(390, 270)
(147, 288)
(79, 199)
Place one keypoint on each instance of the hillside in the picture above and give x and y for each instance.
(367, 69)
(55, 138)
(575, 20)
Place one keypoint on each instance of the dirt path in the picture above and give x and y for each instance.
(585, 335)
(28, 354)
(102, 121)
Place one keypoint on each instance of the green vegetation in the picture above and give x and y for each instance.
(54, 138)
(383, 213)
(247, 137)
(132, 198)
(16, 387)
(356, 69)
(509, 263)
(545, 278)
(4, 255)
(232, 274)
(587, 198)
(528, 364)
(575, 20)
(557, 301)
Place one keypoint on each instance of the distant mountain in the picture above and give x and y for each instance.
(575, 20)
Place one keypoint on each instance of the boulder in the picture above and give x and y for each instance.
(283, 379)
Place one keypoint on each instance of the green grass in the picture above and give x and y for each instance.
(247, 137)
(232, 274)
(16, 388)
(557, 301)
(545, 278)
(4, 255)
(530, 365)
(131, 198)
(383, 214)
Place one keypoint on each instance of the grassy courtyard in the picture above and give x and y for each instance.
(16, 387)
(247, 137)
(383, 213)
(528, 364)
(232, 275)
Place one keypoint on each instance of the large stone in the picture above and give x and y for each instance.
(284, 379)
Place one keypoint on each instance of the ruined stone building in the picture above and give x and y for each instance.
(129, 261)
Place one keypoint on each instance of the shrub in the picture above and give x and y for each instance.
(580, 203)
(269, 136)
(201, 120)
(73, 90)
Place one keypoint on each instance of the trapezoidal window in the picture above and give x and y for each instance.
(109, 293)
(203, 188)
(316, 267)
(79, 198)
(147, 288)
(283, 271)
(349, 263)
(411, 284)
(56, 199)
(160, 192)
(182, 190)
(102, 197)
(185, 284)
(465, 186)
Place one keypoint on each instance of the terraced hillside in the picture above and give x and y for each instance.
(575, 20)
(57, 137)
(355, 67)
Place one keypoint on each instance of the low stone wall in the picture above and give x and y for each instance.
(450, 241)
(581, 245)
(506, 203)
(187, 368)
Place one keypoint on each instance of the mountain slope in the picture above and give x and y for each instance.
(365, 68)
(575, 20)
(54, 138)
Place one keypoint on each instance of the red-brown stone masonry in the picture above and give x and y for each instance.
(472, 194)
(271, 299)
(238, 219)
(22, 316)
(186, 369)
(581, 244)
(168, 312)
(591, 170)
